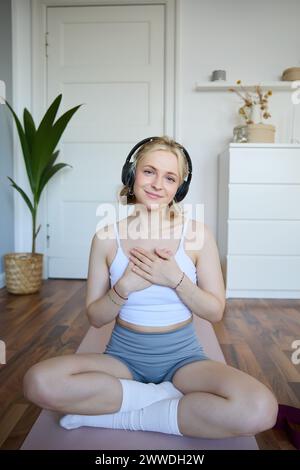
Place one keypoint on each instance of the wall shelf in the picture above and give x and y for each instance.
(224, 85)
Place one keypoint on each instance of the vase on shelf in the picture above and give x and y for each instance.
(256, 114)
(259, 131)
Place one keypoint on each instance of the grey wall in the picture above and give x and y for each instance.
(6, 144)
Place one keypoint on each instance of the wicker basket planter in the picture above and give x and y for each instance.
(261, 133)
(24, 272)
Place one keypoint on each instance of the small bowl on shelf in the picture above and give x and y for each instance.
(291, 74)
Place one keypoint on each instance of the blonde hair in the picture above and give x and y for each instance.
(159, 143)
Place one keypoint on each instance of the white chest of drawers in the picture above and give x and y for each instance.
(259, 220)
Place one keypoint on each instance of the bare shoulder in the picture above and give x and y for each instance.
(103, 240)
(105, 233)
(209, 271)
(207, 232)
(195, 225)
(98, 273)
(200, 241)
(200, 234)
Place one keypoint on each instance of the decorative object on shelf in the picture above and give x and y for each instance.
(240, 134)
(253, 111)
(218, 75)
(255, 114)
(24, 270)
(260, 133)
(251, 99)
(291, 74)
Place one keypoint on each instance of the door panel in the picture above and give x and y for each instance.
(111, 58)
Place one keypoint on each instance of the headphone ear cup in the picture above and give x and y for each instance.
(131, 176)
(125, 173)
(181, 191)
(128, 174)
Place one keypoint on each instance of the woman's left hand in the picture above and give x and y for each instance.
(158, 268)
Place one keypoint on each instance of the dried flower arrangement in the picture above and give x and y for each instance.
(257, 97)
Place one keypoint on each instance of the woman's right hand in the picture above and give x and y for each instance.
(130, 281)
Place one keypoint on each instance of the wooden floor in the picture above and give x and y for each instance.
(255, 335)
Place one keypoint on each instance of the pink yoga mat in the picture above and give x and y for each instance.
(46, 433)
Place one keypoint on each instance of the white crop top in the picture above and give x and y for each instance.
(155, 305)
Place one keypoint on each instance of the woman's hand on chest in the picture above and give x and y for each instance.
(159, 267)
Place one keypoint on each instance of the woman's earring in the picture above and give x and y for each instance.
(130, 192)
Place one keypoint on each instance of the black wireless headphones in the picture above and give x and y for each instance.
(128, 172)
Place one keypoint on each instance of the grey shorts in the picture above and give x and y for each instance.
(155, 357)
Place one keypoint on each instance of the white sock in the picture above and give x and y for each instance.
(158, 417)
(137, 395)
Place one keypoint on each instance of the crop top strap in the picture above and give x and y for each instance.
(117, 233)
(184, 231)
(182, 235)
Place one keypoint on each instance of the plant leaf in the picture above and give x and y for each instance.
(25, 148)
(47, 176)
(29, 128)
(23, 194)
(47, 168)
(50, 114)
(47, 140)
(42, 136)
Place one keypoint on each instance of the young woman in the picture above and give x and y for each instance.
(153, 374)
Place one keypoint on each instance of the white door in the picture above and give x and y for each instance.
(111, 58)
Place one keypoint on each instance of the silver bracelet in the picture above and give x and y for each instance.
(180, 280)
(120, 305)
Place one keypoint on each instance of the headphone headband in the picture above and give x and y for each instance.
(128, 171)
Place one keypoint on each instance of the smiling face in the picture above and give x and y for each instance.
(156, 178)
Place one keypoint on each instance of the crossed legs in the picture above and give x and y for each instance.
(218, 400)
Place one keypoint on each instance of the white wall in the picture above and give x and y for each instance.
(253, 41)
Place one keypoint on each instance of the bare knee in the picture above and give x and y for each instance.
(54, 389)
(36, 387)
(259, 413)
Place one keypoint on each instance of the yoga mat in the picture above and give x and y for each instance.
(46, 432)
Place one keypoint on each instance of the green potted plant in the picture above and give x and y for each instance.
(24, 271)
